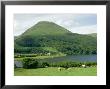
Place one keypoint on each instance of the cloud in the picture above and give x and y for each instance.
(85, 29)
(70, 21)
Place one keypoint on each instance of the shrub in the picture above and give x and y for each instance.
(67, 64)
(44, 64)
(29, 63)
(91, 64)
(33, 63)
(15, 66)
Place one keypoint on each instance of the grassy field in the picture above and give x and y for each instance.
(53, 71)
(40, 57)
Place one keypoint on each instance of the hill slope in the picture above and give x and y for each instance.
(45, 28)
(47, 37)
(93, 34)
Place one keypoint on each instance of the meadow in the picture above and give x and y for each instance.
(53, 71)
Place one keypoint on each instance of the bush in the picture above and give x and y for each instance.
(67, 64)
(91, 64)
(15, 66)
(70, 64)
(44, 64)
(29, 63)
(33, 63)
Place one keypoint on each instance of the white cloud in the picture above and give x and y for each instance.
(73, 22)
(84, 29)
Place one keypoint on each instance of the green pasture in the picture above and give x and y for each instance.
(53, 71)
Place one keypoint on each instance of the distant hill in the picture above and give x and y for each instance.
(93, 34)
(47, 36)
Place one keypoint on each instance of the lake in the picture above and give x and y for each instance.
(80, 58)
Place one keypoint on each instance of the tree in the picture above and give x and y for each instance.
(29, 63)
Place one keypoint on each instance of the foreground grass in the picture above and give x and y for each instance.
(53, 71)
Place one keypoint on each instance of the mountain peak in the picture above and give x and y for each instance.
(44, 22)
(46, 28)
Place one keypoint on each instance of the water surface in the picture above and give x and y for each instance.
(76, 58)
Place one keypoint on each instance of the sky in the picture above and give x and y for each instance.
(76, 23)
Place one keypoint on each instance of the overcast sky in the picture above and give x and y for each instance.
(76, 23)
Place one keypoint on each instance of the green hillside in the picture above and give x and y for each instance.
(45, 28)
(93, 34)
(47, 37)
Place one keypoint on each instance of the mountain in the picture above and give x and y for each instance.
(46, 37)
(45, 28)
